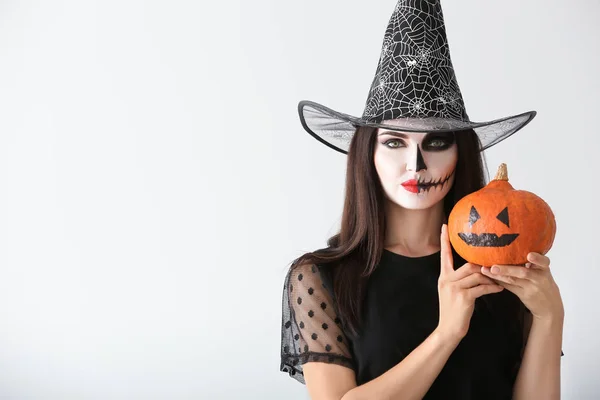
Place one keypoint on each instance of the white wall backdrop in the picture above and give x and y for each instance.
(155, 180)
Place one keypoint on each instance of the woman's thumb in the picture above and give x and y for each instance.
(446, 252)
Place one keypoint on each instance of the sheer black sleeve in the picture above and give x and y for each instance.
(310, 327)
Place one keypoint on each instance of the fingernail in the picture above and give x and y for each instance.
(528, 265)
(495, 270)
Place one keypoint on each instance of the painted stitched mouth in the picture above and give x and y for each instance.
(488, 239)
(426, 186)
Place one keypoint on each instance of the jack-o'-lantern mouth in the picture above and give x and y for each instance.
(488, 239)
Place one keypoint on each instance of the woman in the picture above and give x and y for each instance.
(406, 338)
(388, 310)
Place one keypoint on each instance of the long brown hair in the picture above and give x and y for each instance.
(355, 251)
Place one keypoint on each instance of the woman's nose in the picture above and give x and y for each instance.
(416, 163)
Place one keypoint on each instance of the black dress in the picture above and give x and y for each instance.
(401, 309)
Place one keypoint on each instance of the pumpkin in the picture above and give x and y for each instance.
(500, 225)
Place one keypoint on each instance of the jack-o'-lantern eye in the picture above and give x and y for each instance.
(503, 216)
(473, 216)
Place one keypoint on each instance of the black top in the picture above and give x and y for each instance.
(401, 309)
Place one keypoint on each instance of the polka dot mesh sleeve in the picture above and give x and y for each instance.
(310, 327)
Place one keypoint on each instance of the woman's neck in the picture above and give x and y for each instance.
(413, 232)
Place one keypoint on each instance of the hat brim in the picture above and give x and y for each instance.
(335, 129)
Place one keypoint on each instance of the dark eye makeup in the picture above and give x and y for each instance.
(432, 142)
(438, 141)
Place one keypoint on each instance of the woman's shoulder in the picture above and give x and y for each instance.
(312, 276)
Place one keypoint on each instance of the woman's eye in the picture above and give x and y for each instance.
(398, 143)
(438, 144)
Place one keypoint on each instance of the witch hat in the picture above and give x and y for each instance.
(414, 84)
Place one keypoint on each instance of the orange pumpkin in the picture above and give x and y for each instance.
(500, 225)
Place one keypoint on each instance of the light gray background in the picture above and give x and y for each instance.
(155, 180)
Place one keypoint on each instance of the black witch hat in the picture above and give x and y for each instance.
(414, 84)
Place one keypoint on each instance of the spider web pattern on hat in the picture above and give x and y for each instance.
(414, 76)
(414, 84)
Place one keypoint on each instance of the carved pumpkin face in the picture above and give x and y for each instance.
(501, 225)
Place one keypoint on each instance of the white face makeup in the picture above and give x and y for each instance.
(416, 170)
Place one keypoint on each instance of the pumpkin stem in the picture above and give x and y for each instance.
(502, 174)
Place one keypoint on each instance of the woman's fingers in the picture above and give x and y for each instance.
(538, 260)
(518, 290)
(473, 280)
(464, 271)
(513, 274)
(481, 290)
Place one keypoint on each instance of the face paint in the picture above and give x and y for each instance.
(420, 162)
(416, 170)
(435, 184)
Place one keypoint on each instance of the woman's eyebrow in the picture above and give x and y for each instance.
(442, 135)
(394, 133)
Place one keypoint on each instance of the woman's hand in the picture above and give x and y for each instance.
(457, 290)
(532, 283)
